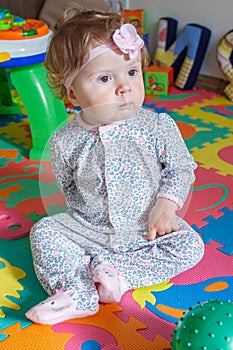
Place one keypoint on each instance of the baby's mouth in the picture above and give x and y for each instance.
(126, 105)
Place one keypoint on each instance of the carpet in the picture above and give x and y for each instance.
(146, 317)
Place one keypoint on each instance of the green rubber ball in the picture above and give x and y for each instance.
(206, 326)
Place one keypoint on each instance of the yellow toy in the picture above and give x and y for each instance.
(225, 61)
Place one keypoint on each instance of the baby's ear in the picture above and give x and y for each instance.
(72, 97)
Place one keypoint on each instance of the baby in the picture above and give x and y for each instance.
(124, 171)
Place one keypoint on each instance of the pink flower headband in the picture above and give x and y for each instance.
(126, 39)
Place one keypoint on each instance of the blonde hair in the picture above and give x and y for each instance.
(72, 40)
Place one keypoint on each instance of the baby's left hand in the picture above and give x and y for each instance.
(162, 218)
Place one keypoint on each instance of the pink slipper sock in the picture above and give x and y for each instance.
(57, 308)
(109, 283)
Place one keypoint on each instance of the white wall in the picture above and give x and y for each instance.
(213, 14)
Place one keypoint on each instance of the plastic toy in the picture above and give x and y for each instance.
(185, 54)
(25, 41)
(157, 80)
(7, 105)
(44, 111)
(137, 18)
(28, 75)
(16, 28)
(206, 326)
(13, 225)
(21, 29)
(4, 56)
(5, 13)
(225, 61)
(5, 93)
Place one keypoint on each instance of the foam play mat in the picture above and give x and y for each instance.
(146, 317)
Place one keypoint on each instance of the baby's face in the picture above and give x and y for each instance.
(109, 88)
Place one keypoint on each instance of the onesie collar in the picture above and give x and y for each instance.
(90, 127)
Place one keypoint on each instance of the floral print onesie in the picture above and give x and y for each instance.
(111, 176)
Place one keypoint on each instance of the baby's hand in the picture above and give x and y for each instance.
(162, 219)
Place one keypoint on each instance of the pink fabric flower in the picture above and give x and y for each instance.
(127, 40)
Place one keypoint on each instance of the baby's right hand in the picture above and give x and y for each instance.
(162, 219)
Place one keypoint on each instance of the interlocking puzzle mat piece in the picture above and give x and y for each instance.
(176, 99)
(27, 189)
(101, 329)
(11, 286)
(214, 263)
(13, 173)
(187, 130)
(221, 100)
(53, 200)
(6, 155)
(55, 209)
(7, 148)
(29, 184)
(224, 110)
(133, 304)
(9, 119)
(217, 155)
(28, 168)
(113, 330)
(85, 336)
(219, 230)
(110, 347)
(171, 303)
(198, 111)
(196, 132)
(34, 337)
(215, 191)
(16, 131)
(20, 288)
(42, 210)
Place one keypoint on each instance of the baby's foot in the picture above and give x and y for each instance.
(57, 308)
(109, 283)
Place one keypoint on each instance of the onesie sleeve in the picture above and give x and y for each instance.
(177, 164)
(62, 168)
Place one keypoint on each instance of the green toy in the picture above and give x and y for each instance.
(23, 51)
(44, 111)
(7, 106)
(206, 326)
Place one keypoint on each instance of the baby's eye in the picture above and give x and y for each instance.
(104, 78)
(132, 72)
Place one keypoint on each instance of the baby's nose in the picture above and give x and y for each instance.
(123, 89)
